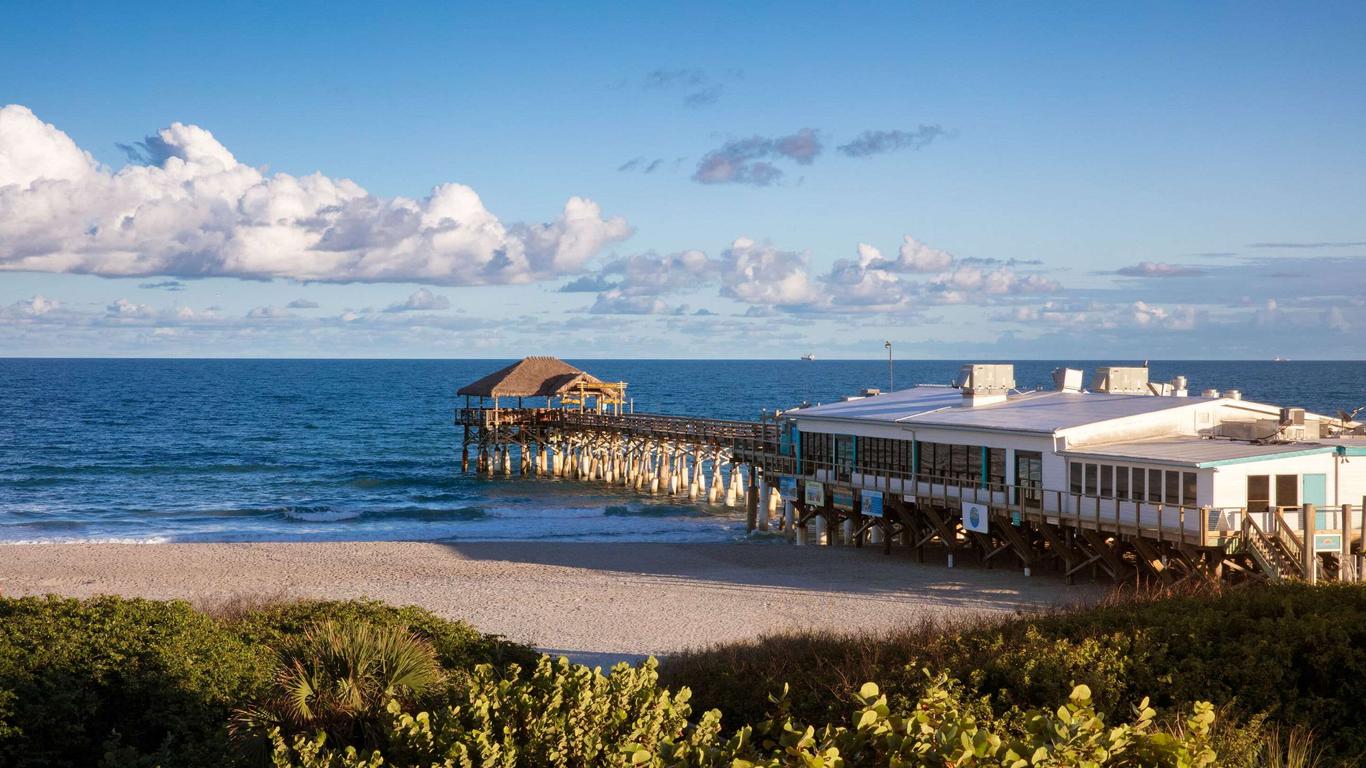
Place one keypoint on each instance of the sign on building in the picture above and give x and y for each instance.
(787, 488)
(842, 499)
(1327, 542)
(815, 494)
(975, 517)
(872, 503)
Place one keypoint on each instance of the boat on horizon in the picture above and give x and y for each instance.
(809, 356)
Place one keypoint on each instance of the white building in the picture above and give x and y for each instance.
(1135, 456)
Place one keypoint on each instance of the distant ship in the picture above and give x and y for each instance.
(809, 356)
(1279, 359)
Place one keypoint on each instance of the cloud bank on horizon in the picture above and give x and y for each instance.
(189, 208)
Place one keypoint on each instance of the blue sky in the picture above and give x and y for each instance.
(1007, 180)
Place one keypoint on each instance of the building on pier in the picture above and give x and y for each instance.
(1131, 475)
(1130, 479)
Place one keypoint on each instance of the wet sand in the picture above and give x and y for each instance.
(596, 602)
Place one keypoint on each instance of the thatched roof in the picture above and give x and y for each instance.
(529, 377)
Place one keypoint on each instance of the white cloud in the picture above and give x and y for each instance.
(126, 309)
(267, 313)
(764, 275)
(195, 211)
(915, 256)
(1159, 269)
(421, 300)
(302, 304)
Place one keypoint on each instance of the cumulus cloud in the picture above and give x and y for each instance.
(188, 208)
(915, 256)
(302, 304)
(748, 161)
(35, 306)
(1159, 269)
(878, 142)
(420, 301)
(762, 274)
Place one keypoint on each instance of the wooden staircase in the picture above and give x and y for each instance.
(1278, 556)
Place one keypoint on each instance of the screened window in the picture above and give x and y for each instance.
(817, 451)
(1107, 480)
(1139, 485)
(1121, 482)
(1188, 488)
(1258, 493)
(1091, 473)
(1173, 487)
(880, 454)
(1155, 486)
(1287, 490)
(996, 466)
(1076, 477)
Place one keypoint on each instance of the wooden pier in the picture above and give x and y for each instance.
(584, 432)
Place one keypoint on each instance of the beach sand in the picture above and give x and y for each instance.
(595, 602)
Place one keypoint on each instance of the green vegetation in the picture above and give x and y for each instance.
(1294, 655)
(115, 682)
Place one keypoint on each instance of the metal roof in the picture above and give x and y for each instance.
(1045, 412)
(1197, 452)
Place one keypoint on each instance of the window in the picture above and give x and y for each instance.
(1287, 490)
(1139, 474)
(1258, 493)
(817, 451)
(1029, 477)
(1188, 489)
(884, 455)
(1173, 487)
(1076, 477)
(1155, 486)
(996, 466)
(1107, 480)
(1090, 480)
(1121, 482)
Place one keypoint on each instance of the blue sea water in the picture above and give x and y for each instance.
(277, 450)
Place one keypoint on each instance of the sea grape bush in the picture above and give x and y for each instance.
(567, 716)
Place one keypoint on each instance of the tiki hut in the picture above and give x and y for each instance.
(548, 377)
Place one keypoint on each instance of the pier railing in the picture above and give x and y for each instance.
(751, 435)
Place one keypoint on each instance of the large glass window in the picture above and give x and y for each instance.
(1173, 487)
(1091, 476)
(1287, 490)
(884, 455)
(996, 466)
(1189, 487)
(1121, 482)
(1076, 476)
(1139, 485)
(1107, 480)
(1155, 486)
(1258, 493)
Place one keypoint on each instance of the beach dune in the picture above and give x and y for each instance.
(595, 602)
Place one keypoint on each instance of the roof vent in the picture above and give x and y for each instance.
(1067, 379)
(871, 392)
(1121, 380)
(1210, 393)
(985, 384)
(1234, 394)
(1292, 417)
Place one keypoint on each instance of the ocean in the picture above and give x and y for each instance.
(350, 450)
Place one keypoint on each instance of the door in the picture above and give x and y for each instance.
(1315, 491)
(844, 457)
(1029, 478)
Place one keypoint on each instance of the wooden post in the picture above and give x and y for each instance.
(1309, 523)
(1361, 545)
(752, 501)
(1345, 527)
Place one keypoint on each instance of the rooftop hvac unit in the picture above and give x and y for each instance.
(985, 384)
(1292, 417)
(1067, 379)
(1121, 380)
(872, 392)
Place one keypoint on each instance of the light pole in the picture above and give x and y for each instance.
(888, 345)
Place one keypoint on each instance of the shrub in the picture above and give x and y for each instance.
(127, 682)
(565, 716)
(1296, 653)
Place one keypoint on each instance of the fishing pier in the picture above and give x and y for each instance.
(1131, 481)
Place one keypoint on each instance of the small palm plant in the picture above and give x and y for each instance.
(339, 680)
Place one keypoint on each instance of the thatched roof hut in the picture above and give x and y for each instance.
(540, 376)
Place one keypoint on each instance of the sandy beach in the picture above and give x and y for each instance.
(594, 602)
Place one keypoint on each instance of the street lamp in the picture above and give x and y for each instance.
(888, 345)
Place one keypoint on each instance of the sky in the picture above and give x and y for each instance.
(1003, 181)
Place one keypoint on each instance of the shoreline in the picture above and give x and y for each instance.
(594, 602)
